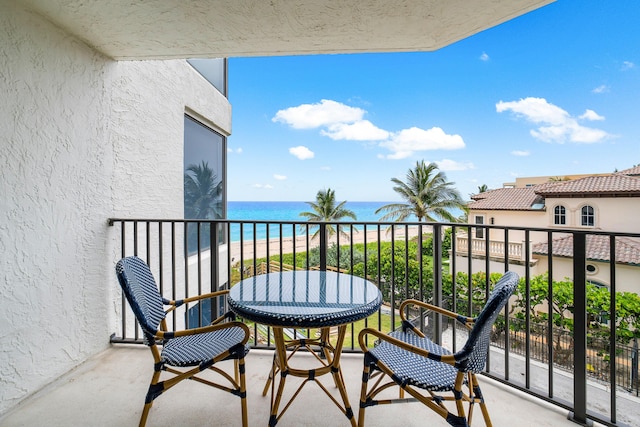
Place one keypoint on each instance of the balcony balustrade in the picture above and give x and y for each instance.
(561, 365)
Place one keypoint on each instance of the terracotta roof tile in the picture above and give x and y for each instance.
(592, 185)
(518, 199)
(598, 249)
(631, 171)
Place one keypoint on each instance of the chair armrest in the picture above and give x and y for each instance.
(448, 358)
(467, 321)
(177, 303)
(166, 335)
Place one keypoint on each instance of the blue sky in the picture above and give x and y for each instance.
(553, 92)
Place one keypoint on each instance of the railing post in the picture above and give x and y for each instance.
(217, 305)
(437, 279)
(323, 246)
(579, 329)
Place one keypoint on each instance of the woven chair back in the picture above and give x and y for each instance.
(480, 336)
(141, 291)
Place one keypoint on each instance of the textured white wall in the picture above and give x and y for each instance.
(83, 139)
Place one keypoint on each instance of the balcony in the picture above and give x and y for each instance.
(542, 371)
(109, 390)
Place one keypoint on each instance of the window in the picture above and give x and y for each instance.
(479, 231)
(204, 179)
(213, 70)
(588, 216)
(559, 215)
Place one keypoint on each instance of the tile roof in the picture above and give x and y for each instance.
(631, 171)
(610, 185)
(598, 249)
(518, 199)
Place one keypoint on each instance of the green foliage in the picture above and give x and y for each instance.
(427, 243)
(333, 253)
(627, 321)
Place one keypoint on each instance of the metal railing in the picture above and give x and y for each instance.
(423, 261)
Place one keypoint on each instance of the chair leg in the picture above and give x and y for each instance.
(478, 395)
(243, 391)
(272, 372)
(153, 392)
(363, 392)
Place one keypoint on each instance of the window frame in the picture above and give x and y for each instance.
(220, 169)
(479, 231)
(559, 215)
(587, 219)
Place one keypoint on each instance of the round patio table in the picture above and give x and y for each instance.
(305, 299)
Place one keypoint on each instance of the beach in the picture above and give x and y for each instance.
(248, 250)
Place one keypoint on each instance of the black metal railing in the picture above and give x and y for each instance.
(554, 357)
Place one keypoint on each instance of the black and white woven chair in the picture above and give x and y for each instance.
(426, 370)
(184, 353)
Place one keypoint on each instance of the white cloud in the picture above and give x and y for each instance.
(361, 130)
(591, 115)
(520, 153)
(536, 110)
(555, 124)
(237, 150)
(325, 113)
(601, 89)
(404, 143)
(484, 57)
(279, 177)
(452, 165)
(342, 122)
(325, 168)
(627, 65)
(264, 186)
(301, 152)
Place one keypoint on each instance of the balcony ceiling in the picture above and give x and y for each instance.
(164, 29)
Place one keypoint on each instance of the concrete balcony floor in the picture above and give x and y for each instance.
(109, 389)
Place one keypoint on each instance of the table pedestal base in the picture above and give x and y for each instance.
(281, 369)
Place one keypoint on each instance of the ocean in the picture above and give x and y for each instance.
(288, 211)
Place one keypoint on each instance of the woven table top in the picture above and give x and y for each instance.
(304, 299)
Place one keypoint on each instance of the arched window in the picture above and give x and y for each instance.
(560, 215)
(588, 216)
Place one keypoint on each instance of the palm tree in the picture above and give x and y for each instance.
(428, 196)
(325, 210)
(202, 192)
(202, 200)
(482, 188)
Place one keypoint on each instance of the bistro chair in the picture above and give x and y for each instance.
(183, 353)
(430, 373)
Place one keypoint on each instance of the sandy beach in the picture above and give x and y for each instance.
(248, 251)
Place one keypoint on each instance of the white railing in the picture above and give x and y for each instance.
(516, 250)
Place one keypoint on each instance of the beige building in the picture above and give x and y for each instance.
(593, 203)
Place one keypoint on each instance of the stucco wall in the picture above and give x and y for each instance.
(83, 139)
(612, 213)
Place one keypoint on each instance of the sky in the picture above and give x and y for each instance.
(551, 93)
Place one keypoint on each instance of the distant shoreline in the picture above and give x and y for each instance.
(250, 252)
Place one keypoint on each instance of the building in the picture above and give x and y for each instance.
(593, 203)
(95, 100)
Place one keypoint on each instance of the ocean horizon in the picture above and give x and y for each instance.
(288, 211)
